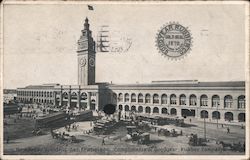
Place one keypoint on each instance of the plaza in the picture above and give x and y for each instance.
(91, 144)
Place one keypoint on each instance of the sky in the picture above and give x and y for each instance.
(40, 43)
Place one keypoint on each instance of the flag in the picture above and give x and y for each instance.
(90, 7)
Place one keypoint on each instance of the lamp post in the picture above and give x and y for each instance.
(204, 125)
(217, 115)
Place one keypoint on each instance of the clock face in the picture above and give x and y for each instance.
(82, 61)
(92, 62)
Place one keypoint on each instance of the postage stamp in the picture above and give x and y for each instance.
(174, 40)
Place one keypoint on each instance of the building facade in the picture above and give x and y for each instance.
(9, 95)
(211, 100)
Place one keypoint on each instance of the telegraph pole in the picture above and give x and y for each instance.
(217, 116)
(204, 125)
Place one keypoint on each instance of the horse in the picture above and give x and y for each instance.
(225, 145)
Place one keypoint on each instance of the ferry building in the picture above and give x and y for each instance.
(224, 101)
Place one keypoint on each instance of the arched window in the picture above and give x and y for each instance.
(114, 97)
(65, 95)
(228, 101)
(173, 99)
(84, 96)
(133, 108)
(164, 111)
(155, 98)
(204, 114)
(229, 116)
(73, 95)
(173, 111)
(192, 100)
(120, 107)
(215, 115)
(126, 108)
(241, 117)
(204, 100)
(156, 110)
(215, 101)
(241, 101)
(147, 98)
(182, 99)
(164, 99)
(126, 97)
(140, 109)
(133, 97)
(120, 97)
(148, 110)
(140, 98)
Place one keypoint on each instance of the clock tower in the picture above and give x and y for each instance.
(86, 57)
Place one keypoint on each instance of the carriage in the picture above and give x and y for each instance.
(161, 119)
(238, 147)
(195, 141)
(63, 136)
(169, 132)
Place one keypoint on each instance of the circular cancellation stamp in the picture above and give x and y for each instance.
(174, 40)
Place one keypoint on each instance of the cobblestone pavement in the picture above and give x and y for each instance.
(115, 143)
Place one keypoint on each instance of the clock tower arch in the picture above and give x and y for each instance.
(86, 56)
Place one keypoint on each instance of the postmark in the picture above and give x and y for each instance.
(174, 40)
(112, 40)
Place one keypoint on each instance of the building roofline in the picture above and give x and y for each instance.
(184, 84)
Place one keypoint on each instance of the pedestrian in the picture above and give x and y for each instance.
(221, 125)
(242, 127)
(103, 142)
(228, 130)
(190, 120)
(155, 129)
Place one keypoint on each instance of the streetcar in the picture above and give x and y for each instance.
(52, 120)
(160, 119)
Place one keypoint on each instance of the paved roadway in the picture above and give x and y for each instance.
(91, 144)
